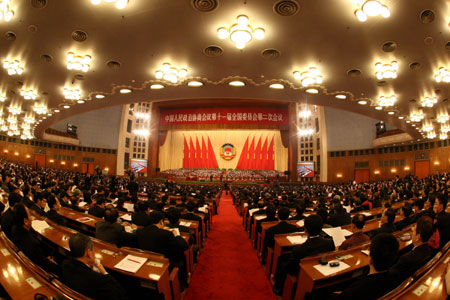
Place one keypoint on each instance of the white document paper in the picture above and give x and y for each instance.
(347, 232)
(296, 239)
(327, 270)
(260, 217)
(251, 211)
(337, 234)
(301, 223)
(128, 206)
(129, 229)
(39, 225)
(366, 252)
(245, 204)
(177, 231)
(131, 263)
(84, 219)
(126, 217)
(202, 209)
(82, 203)
(187, 224)
(367, 214)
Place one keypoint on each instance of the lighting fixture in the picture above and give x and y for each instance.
(442, 118)
(443, 135)
(445, 128)
(141, 132)
(13, 67)
(386, 100)
(56, 110)
(427, 127)
(29, 119)
(142, 115)
(120, 4)
(2, 98)
(443, 75)
(40, 109)
(416, 117)
(5, 12)
(195, 83)
(72, 93)
(12, 119)
(125, 91)
(15, 110)
(431, 135)
(28, 94)
(309, 77)
(25, 125)
(386, 70)
(312, 91)
(376, 172)
(156, 86)
(305, 114)
(401, 117)
(66, 106)
(236, 83)
(362, 102)
(4, 128)
(276, 86)
(391, 112)
(371, 8)
(378, 108)
(78, 62)
(241, 32)
(428, 101)
(170, 73)
(340, 96)
(81, 101)
(306, 131)
(99, 96)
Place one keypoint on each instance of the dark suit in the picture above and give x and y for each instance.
(140, 218)
(339, 219)
(282, 227)
(312, 246)
(8, 222)
(114, 233)
(33, 249)
(410, 262)
(96, 211)
(38, 210)
(403, 223)
(162, 241)
(367, 287)
(56, 217)
(193, 217)
(443, 225)
(385, 228)
(82, 279)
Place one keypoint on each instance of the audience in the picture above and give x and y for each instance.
(358, 237)
(109, 231)
(52, 214)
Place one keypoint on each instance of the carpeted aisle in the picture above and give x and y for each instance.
(228, 267)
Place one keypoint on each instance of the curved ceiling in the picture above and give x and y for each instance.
(146, 33)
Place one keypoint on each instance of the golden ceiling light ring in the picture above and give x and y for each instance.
(213, 51)
(286, 8)
(270, 53)
(39, 3)
(389, 46)
(353, 73)
(46, 57)
(204, 5)
(427, 16)
(113, 64)
(79, 35)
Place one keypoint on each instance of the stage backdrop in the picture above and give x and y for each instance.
(178, 143)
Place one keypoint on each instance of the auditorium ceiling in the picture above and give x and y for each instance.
(127, 46)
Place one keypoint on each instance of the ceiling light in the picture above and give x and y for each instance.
(443, 135)
(312, 91)
(306, 131)
(276, 86)
(443, 75)
(378, 108)
(78, 62)
(28, 94)
(241, 32)
(371, 8)
(305, 114)
(13, 67)
(445, 128)
(416, 117)
(428, 101)
(40, 109)
(386, 100)
(195, 83)
(156, 86)
(427, 127)
(340, 96)
(386, 70)
(142, 115)
(442, 118)
(170, 73)
(81, 101)
(401, 117)
(141, 132)
(29, 119)
(119, 3)
(309, 77)
(2, 98)
(66, 106)
(15, 110)
(391, 112)
(5, 12)
(236, 83)
(99, 96)
(431, 135)
(362, 102)
(125, 91)
(72, 93)
(56, 110)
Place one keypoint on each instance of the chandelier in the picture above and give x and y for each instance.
(443, 75)
(15, 110)
(371, 8)
(40, 109)
(386, 70)
(427, 127)
(28, 94)
(443, 135)
(241, 32)
(78, 62)
(416, 117)
(309, 77)
(29, 119)
(72, 94)
(13, 67)
(119, 3)
(170, 73)
(442, 118)
(386, 100)
(431, 135)
(428, 101)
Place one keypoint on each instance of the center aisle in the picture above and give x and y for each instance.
(228, 267)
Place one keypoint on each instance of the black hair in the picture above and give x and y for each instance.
(155, 217)
(442, 200)
(190, 206)
(390, 214)
(313, 225)
(174, 215)
(419, 203)
(359, 221)
(111, 215)
(51, 201)
(13, 199)
(407, 210)
(383, 251)
(20, 213)
(425, 228)
(78, 244)
(271, 211)
(283, 213)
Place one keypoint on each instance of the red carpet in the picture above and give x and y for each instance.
(228, 267)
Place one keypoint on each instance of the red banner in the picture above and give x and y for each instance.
(233, 115)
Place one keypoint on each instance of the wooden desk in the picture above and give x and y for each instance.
(154, 273)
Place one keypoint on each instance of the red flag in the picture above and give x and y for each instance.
(186, 155)
(251, 155)
(205, 161)
(271, 162)
(257, 163)
(191, 154)
(211, 156)
(198, 154)
(264, 163)
(243, 157)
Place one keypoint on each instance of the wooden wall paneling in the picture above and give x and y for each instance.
(422, 168)
(153, 142)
